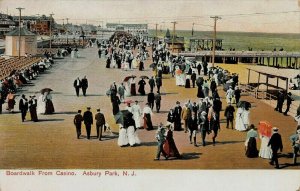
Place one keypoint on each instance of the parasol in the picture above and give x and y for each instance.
(199, 81)
(128, 77)
(119, 118)
(265, 128)
(128, 101)
(244, 104)
(152, 65)
(144, 77)
(45, 90)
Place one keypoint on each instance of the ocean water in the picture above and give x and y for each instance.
(244, 40)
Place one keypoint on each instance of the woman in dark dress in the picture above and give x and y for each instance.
(115, 104)
(142, 84)
(132, 87)
(141, 66)
(200, 93)
(49, 104)
(108, 61)
(169, 146)
(252, 151)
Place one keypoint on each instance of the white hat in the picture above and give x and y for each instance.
(203, 113)
(298, 131)
(275, 129)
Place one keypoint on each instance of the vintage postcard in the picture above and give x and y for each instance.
(149, 95)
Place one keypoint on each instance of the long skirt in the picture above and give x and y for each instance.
(187, 83)
(177, 125)
(11, 104)
(132, 90)
(49, 107)
(147, 122)
(33, 114)
(200, 93)
(123, 138)
(252, 151)
(170, 148)
(136, 117)
(133, 136)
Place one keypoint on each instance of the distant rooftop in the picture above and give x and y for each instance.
(23, 32)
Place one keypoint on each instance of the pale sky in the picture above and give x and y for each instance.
(278, 16)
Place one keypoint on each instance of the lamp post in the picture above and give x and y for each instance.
(51, 18)
(20, 10)
(214, 39)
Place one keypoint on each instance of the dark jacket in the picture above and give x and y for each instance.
(171, 117)
(276, 142)
(100, 119)
(23, 105)
(229, 112)
(84, 83)
(158, 81)
(75, 83)
(151, 97)
(193, 77)
(78, 119)
(88, 117)
(152, 82)
(192, 123)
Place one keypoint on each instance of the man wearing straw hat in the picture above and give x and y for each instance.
(276, 144)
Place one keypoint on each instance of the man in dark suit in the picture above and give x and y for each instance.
(289, 100)
(151, 99)
(214, 126)
(88, 121)
(177, 117)
(157, 101)
(199, 67)
(100, 122)
(171, 117)
(151, 83)
(229, 114)
(77, 86)
(193, 78)
(84, 85)
(204, 125)
(77, 122)
(276, 144)
(192, 123)
(23, 107)
(158, 83)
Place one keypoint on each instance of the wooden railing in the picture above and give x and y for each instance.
(267, 98)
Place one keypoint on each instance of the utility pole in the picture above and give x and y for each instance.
(173, 38)
(156, 30)
(20, 10)
(193, 29)
(51, 18)
(214, 38)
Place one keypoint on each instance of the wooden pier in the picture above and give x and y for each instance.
(269, 58)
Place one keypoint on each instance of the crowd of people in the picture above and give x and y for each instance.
(10, 85)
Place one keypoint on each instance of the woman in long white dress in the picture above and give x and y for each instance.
(136, 111)
(41, 104)
(246, 118)
(182, 79)
(133, 138)
(128, 89)
(177, 76)
(123, 138)
(265, 151)
(239, 123)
